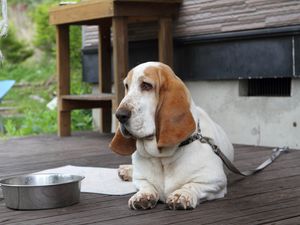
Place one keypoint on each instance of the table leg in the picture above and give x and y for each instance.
(105, 82)
(63, 73)
(165, 40)
(120, 56)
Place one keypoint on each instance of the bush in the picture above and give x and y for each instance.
(14, 50)
(45, 35)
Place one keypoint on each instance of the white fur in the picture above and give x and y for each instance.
(182, 176)
(141, 123)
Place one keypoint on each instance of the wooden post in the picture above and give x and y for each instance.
(63, 73)
(165, 41)
(120, 55)
(105, 82)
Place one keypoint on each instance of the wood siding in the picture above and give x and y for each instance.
(197, 17)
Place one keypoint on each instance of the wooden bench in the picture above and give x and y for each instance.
(107, 14)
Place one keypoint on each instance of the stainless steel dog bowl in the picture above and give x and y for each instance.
(41, 191)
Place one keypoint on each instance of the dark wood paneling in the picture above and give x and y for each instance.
(265, 57)
(266, 53)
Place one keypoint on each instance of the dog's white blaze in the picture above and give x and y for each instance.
(142, 104)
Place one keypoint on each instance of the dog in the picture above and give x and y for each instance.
(156, 115)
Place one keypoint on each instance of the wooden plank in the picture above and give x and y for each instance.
(217, 212)
(105, 82)
(139, 19)
(270, 197)
(89, 97)
(93, 10)
(88, 101)
(63, 72)
(84, 11)
(120, 56)
(165, 41)
(115, 213)
(145, 9)
(289, 221)
(138, 1)
(104, 59)
(156, 1)
(63, 59)
(75, 104)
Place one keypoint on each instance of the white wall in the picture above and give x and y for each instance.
(264, 121)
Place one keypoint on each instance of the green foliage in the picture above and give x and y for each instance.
(44, 121)
(45, 34)
(28, 2)
(34, 122)
(14, 50)
(75, 47)
(38, 78)
(28, 72)
(31, 4)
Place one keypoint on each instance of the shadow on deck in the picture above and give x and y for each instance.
(270, 197)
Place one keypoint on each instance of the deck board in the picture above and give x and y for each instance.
(270, 197)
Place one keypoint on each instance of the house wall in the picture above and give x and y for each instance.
(197, 17)
(264, 121)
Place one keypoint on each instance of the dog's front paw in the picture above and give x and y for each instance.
(142, 200)
(181, 200)
(125, 172)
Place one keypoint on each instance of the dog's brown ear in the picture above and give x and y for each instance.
(175, 122)
(122, 145)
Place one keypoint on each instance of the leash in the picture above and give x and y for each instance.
(206, 140)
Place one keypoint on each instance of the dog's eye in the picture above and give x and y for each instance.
(146, 86)
(126, 87)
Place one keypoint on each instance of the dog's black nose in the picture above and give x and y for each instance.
(123, 115)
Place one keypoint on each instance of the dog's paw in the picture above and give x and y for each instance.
(125, 172)
(142, 200)
(181, 200)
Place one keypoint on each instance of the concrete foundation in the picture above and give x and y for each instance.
(263, 121)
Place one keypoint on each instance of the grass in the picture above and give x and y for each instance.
(35, 87)
(28, 72)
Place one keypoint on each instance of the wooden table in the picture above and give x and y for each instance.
(107, 14)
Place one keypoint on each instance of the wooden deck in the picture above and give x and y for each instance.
(270, 197)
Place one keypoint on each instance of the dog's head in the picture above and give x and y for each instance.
(156, 103)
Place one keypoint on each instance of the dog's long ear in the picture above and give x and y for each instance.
(122, 145)
(174, 119)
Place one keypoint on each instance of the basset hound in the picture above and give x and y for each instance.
(156, 115)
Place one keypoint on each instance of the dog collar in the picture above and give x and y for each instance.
(194, 137)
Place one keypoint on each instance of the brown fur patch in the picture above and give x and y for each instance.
(122, 145)
(174, 121)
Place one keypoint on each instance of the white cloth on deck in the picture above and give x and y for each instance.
(97, 180)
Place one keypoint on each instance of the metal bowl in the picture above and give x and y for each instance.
(41, 191)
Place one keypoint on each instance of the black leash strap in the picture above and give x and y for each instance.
(206, 140)
(233, 168)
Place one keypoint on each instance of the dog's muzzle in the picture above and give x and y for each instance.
(123, 115)
(124, 131)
